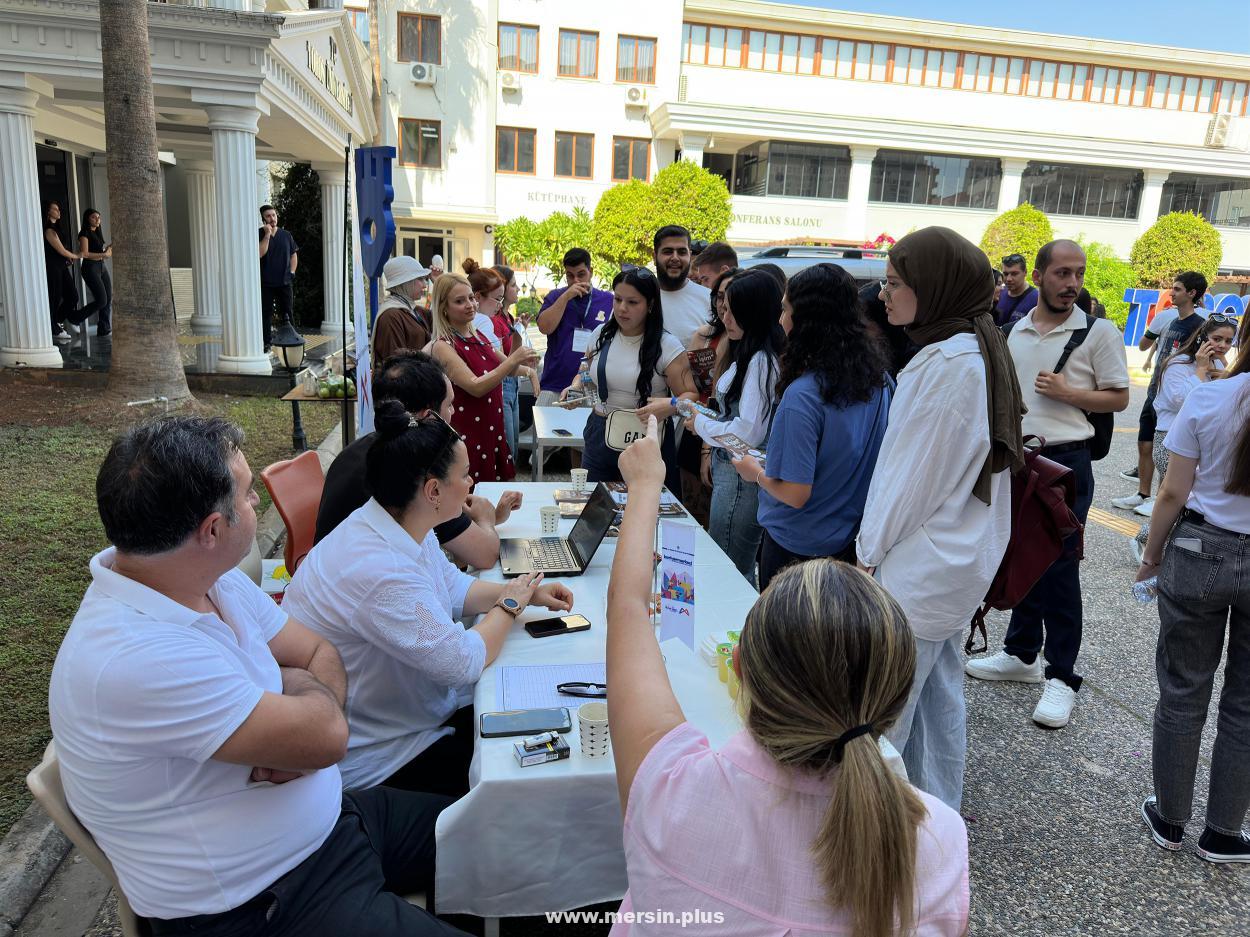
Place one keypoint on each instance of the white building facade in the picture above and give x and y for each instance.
(829, 125)
(236, 84)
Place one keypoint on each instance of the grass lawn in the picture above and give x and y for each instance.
(52, 440)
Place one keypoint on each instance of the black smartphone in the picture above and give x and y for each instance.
(561, 624)
(562, 432)
(525, 722)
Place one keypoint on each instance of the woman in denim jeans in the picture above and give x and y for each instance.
(833, 404)
(1204, 591)
(747, 391)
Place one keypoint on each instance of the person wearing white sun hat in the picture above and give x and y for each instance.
(401, 322)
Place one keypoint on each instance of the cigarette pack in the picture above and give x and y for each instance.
(552, 751)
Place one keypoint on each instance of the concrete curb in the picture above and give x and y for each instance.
(29, 854)
(35, 846)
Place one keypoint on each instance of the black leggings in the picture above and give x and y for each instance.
(96, 275)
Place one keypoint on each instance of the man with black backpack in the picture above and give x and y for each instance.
(1073, 375)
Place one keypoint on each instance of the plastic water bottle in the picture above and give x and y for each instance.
(1146, 590)
(688, 408)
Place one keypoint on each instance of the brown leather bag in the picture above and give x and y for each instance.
(1043, 498)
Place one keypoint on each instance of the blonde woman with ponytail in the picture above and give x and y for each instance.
(797, 825)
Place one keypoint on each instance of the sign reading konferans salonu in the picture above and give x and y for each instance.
(323, 68)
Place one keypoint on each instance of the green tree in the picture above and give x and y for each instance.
(1107, 277)
(520, 242)
(1175, 243)
(621, 230)
(297, 200)
(557, 234)
(1022, 230)
(687, 194)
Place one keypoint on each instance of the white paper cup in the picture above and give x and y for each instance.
(549, 517)
(592, 721)
(579, 478)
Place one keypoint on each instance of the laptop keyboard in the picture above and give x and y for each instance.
(551, 553)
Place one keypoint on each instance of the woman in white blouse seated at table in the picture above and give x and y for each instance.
(796, 825)
(379, 588)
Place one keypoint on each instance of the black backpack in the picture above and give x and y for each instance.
(1103, 423)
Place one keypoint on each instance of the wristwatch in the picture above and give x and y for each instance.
(509, 605)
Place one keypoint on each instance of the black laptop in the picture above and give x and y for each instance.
(557, 556)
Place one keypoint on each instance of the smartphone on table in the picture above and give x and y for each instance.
(561, 624)
(525, 722)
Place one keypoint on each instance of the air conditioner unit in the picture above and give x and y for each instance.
(509, 81)
(423, 74)
(1217, 131)
(635, 96)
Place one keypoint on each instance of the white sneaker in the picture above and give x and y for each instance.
(61, 337)
(1128, 502)
(1055, 707)
(1004, 666)
(1146, 508)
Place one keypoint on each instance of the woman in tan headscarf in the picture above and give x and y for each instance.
(938, 514)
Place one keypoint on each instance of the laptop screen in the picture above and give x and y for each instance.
(592, 524)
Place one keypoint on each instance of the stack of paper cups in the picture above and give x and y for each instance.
(579, 478)
(549, 516)
(592, 719)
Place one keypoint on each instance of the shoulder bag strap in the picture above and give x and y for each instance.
(1078, 337)
(601, 361)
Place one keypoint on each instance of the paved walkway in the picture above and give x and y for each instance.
(1058, 846)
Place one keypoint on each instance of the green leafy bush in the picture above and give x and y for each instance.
(1022, 230)
(620, 231)
(1175, 243)
(1107, 277)
(685, 193)
(557, 234)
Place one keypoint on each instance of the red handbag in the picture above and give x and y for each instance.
(1043, 500)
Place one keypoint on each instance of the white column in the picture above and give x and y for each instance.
(692, 146)
(1151, 198)
(234, 162)
(264, 183)
(857, 193)
(333, 188)
(205, 269)
(1009, 187)
(23, 286)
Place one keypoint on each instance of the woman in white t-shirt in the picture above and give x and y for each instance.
(1202, 515)
(633, 365)
(380, 590)
(747, 394)
(1199, 360)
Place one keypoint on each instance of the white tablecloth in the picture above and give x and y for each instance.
(524, 841)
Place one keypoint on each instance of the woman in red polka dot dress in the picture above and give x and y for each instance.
(477, 371)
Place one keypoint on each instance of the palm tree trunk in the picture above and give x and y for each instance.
(375, 59)
(146, 359)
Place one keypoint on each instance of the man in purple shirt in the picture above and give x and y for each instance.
(567, 317)
(1019, 296)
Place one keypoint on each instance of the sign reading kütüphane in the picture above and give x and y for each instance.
(323, 68)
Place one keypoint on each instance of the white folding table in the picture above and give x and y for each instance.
(546, 421)
(525, 841)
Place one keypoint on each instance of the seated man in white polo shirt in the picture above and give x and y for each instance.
(198, 726)
(1094, 379)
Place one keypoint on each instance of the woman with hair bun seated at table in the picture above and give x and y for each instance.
(797, 824)
(380, 590)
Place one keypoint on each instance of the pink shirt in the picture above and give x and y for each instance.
(729, 833)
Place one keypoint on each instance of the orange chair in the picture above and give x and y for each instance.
(295, 486)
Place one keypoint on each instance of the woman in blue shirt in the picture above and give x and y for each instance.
(828, 427)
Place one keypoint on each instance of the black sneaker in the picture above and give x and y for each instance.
(1221, 847)
(1165, 834)
(1130, 474)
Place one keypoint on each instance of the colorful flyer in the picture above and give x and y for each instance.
(677, 582)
